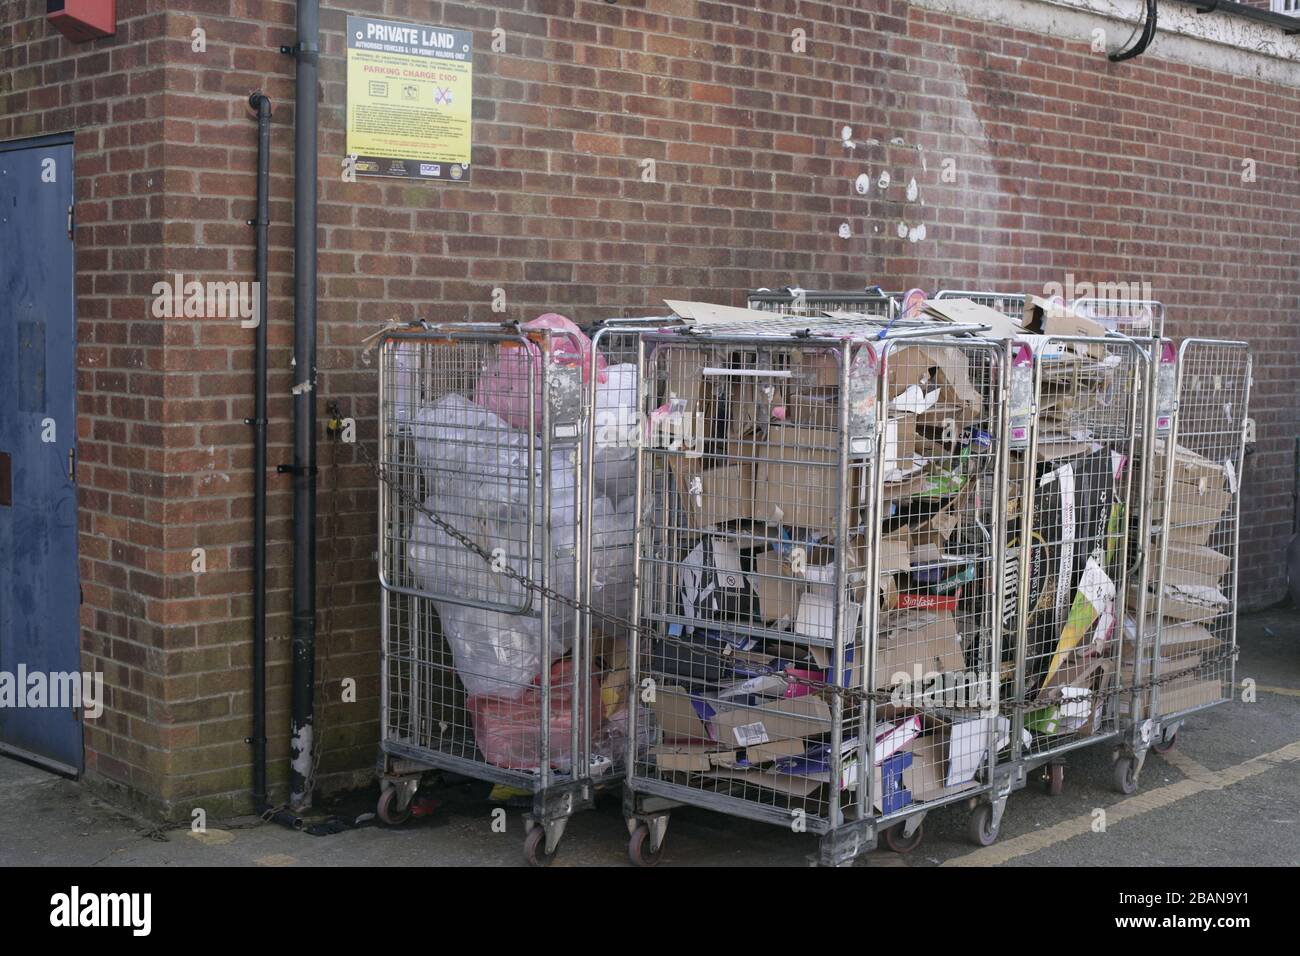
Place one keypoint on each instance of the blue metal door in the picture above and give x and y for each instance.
(40, 644)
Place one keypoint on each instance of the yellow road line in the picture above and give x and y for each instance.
(1199, 780)
(1284, 691)
(1187, 766)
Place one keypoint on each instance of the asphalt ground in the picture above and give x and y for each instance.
(1227, 795)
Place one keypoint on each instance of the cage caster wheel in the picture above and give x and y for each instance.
(391, 810)
(1124, 774)
(980, 827)
(638, 847)
(535, 848)
(1165, 744)
(900, 843)
(1054, 778)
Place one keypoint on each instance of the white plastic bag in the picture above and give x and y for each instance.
(495, 652)
(477, 464)
(615, 423)
(612, 558)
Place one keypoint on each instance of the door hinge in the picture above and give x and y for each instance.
(72, 465)
(72, 220)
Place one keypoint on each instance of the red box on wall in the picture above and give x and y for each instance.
(80, 20)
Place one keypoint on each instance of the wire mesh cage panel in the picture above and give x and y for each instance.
(480, 511)
(807, 302)
(753, 548)
(937, 726)
(1198, 497)
(1010, 304)
(1072, 489)
(611, 438)
(771, 493)
(1142, 321)
(1137, 318)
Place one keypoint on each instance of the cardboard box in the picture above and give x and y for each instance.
(745, 726)
(703, 426)
(966, 312)
(753, 403)
(945, 367)
(896, 551)
(1080, 670)
(685, 758)
(1189, 525)
(709, 313)
(816, 367)
(900, 445)
(1184, 606)
(787, 784)
(1043, 317)
(1180, 638)
(895, 558)
(724, 494)
(797, 477)
(1185, 694)
(775, 750)
(854, 655)
(925, 778)
(1082, 696)
(779, 591)
(968, 746)
(917, 643)
(1206, 564)
(682, 717)
(1166, 666)
(1189, 468)
(814, 406)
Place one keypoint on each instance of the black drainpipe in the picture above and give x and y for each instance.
(1288, 24)
(262, 104)
(307, 52)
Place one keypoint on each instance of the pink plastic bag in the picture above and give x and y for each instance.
(503, 386)
(509, 732)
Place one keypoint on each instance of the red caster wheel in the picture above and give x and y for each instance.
(638, 847)
(896, 841)
(535, 848)
(391, 810)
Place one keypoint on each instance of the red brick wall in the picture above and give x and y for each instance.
(110, 92)
(1064, 163)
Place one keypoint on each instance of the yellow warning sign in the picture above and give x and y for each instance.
(409, 100)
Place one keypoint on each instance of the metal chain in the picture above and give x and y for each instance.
(850, 693)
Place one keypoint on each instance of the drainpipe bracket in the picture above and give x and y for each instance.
(296, 470)
(310, 51)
